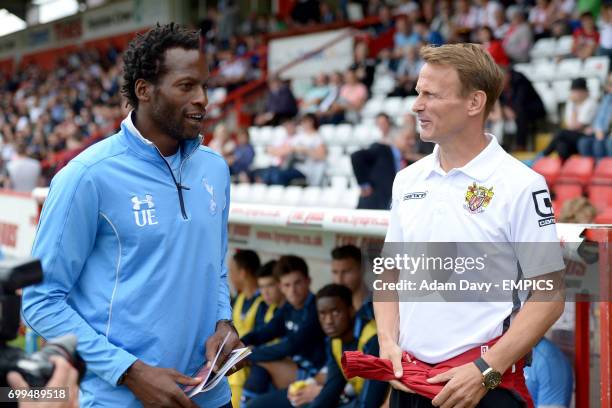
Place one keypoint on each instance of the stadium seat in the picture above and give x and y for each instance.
(562, 90)
(258, 193)
(266, 134)
(350, 198)
(335, 151)
(240, 192)
(372, 107)
(262, 161)
(569, 68)
(394, 106)
(350, 149)
(338, 182)
(344, 134)
(327, 133)
(567, 191)
(255, 136)
(278, 134)
(275, 195)
(383, 85)
(524, 68)
(549, 167)
(408, 102)
(577, 169)
(603, 171)
(544, 47)
(564, 45)
(600, 196)
(364, 135)
(597, 67)
(311, 197)
(594, 86)
(543, 71)
(605, 217)
(549, 99)
(340, 166)
(293, 195)
(330, 197)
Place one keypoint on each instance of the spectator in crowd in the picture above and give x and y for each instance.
(248, 307)
(222, 141)
(518, 38)
(280, 151)
(23, 172)
(298, 353)
(404, 36)
(386, 22)
(280, 104)
(522, 105)
(579, 113)
(541, 17)
(315, 94)
(242, 157)
(550, 379)
(493, 46)
(308, 153)
(586, 37)
(376, 166)
(384, 126)
(596, 142)
(347, 270)
(464, 19)
(327, 14)
(605, 30)
(426, 35)
(443, 21)
(407, 72)
(363, 65)
(486, 11)
(306, 12)
(328, 111)
(353, 96)
(233, 71)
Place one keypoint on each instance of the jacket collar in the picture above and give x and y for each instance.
(146, 148)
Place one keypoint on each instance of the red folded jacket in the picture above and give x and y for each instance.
(416, 373)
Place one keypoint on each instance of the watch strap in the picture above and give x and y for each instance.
(481, 364)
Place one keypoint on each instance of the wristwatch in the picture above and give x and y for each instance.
(490, 378)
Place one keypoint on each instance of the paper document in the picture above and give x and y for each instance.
(211, 381)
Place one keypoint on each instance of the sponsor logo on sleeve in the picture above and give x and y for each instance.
(543, 207)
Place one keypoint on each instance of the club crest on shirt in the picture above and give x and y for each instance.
(212, 205)
(477, 198)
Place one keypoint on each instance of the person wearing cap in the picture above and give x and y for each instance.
(469, 190)
(580, 111)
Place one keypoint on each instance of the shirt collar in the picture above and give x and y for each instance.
(479, 168)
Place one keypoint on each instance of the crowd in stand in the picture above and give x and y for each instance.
(48, 112)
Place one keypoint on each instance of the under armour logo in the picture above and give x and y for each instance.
(136, 203)
(144, 216)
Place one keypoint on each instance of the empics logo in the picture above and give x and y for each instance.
(144, 210)
(543, 207)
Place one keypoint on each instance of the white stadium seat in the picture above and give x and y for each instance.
(594, 87)
(350, 198)
(311, 197)
(258, 193)
(240, 192)
(340, 166)
(564, 45)
(275, 195)
(330, 197)
(562, 89)
(597, 67)
(569, 68)
(335, 151)
(544, 47)
(544, 71)
(393, 106)
(372, 107)
(293, 195)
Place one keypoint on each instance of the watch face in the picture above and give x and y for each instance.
(492, 380)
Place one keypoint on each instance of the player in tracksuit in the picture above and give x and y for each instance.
(298, 353)
(337, 317)
(133, 240)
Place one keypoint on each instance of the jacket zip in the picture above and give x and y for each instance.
(179, 186)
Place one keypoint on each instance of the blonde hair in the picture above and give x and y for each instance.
(476, 69)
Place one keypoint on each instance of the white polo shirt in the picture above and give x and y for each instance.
(492, 199)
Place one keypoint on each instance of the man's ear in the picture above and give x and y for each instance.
(476, 103)
(144, 90)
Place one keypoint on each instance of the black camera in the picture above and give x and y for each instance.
(36, 368)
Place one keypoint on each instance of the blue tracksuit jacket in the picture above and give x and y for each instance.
(134, 261)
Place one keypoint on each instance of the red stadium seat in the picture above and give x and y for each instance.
(549, 167)
(577, 169)
(567, 191)
(605, 217)
(603, 171)
(601, 195)
(556, 208)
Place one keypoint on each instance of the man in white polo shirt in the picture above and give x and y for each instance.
(469, 190)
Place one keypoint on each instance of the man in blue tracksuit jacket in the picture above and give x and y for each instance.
(133, 240)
